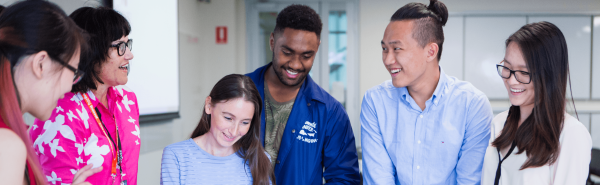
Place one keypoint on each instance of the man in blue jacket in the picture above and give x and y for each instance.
(304, 129)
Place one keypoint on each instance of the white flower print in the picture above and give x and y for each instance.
(78, 160)
(51, 130)
(137, 142)
(136, 132)
(91, 95)
(33, 127)
(131, 119)
(58, 109)
(83, 114)
(118, 106)
(77, 98)
(70, 115)
(79, 148)
(127, 102)
(97, 152)
(53, 178)
(54, 146)
(74, 171)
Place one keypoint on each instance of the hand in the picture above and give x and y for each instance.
(84, 173)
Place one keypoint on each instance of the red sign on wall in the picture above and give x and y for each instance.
(221, 34)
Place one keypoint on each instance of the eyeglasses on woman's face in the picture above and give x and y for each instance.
(520, 76)
(121, 46)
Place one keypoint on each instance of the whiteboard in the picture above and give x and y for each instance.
(596, 59)
(154, 75)
(485, 38)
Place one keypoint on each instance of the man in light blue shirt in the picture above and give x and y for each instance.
(422, 127)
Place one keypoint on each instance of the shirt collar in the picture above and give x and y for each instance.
(440, 89)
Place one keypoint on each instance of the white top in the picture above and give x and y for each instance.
(571, 167)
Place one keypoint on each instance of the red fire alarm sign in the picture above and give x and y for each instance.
(221, 34)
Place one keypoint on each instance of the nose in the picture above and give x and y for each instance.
(388, 58)
(235, 129)
(295, 63)
(128, 54)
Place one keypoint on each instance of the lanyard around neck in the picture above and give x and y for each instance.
(498, 170)
(114, 146)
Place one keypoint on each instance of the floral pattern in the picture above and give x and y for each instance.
(71, 138)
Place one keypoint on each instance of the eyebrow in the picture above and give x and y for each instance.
(392, 42)
(523, 66)
(232, 115)
(294, 51)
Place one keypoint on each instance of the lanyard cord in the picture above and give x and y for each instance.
(115, 144)
(498, 170)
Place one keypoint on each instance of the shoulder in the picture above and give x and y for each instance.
(70, 108)
(498, 123)
(575, 131)
(179, 147)
(464, 88)
(12, 145)
(125, 91)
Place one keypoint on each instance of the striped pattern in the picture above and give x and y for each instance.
(186, 163)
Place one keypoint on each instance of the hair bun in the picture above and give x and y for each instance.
(439, 8)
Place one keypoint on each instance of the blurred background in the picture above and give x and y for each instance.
(183, 47)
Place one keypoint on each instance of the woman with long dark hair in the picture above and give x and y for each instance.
(39, 54)
(100, 113)
(225, 147)
(536, 141)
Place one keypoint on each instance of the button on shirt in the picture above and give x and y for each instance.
(443, 144)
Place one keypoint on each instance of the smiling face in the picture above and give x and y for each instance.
(294, 52)
(114, 70)
(403, 57)
(229, 120)
(519, 94)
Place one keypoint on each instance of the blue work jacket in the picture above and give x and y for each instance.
(318, 141)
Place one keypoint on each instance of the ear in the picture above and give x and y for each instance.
(41, 63)
(207, 105)
(272, 41)
(432, 50)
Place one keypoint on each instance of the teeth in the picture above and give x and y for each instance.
(227, 136)
(396, 71)
(291, 72)
(126, 66)
(517, 90)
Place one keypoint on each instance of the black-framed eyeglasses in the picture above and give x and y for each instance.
(78, 73)
(520, 76)
(121, 46)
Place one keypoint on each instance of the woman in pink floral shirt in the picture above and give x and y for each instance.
(99, 117)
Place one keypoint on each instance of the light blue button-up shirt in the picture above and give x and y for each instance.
(443, 144)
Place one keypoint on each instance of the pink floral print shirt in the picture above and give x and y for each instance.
(72, 139)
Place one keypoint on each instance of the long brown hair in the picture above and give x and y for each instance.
(26, 28)
(545, 50)
(248, 147)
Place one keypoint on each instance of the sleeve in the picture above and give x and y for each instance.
(377, 166)
(169, 168)
(340, 158)
(572, 165)
(475, 142)
(60, 146)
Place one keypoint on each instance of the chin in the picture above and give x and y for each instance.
(398, 83)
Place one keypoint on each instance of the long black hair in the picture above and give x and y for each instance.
(545, 51)
(26, 28)
(249, 146)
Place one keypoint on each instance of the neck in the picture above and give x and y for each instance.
(209, 144)
(100, 93)
(279, 91)
(424, 87)
(525, 111)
